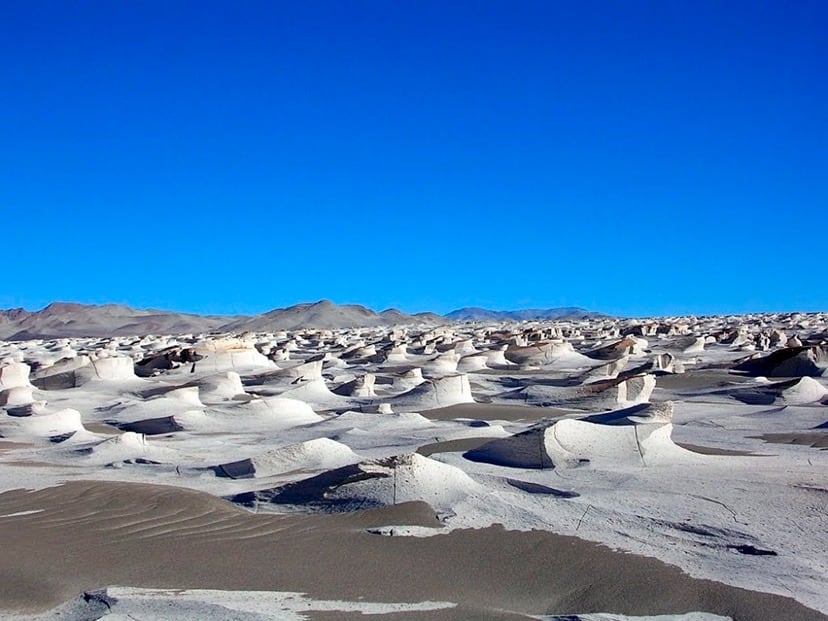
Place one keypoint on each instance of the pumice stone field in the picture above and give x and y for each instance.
(415, 468)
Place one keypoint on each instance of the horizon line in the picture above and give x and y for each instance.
(609, 315)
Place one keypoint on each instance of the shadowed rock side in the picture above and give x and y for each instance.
(152, 426)
(523, 450)
(180, 539)
(800, 391)
(787, 362)
(635, 436)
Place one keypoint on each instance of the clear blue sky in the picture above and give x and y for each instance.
(630, 157)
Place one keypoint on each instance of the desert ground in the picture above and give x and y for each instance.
(592, 468)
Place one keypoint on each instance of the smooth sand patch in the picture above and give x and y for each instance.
(460, 613)
(814, 439)
(8, 445)
(493, 411)
(453, 446)
(713, 450)
(700, 380)
(101, 428)
(91, 534)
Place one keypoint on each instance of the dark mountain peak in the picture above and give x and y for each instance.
(14, 313)
(65, 307)
(322, 314)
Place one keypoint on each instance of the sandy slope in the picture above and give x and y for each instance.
(85, 535)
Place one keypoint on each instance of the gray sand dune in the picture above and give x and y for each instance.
(493, 411)
(451, 446)
(814, 439)
(712, 450)
(702, 379)
(8, 445)
(460, 613)
(90, 534)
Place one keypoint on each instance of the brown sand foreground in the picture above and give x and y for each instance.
(92, 534)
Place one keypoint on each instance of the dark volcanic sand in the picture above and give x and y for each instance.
(92, 534)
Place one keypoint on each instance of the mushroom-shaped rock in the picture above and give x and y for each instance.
(311, 369)
(360, 387)
(397, 354)
(436, 393)
(109, 368)
(166, 359)
(407, 380)
(570, 443)
(188, 395)
(443, 364)
(602, 394)
(283, 412)
(16, 396)
(696, 346)
(314, 392)
(61, 374)
(473, 362)
(544, 353)
(225, 385)
(667, 362)
(627, 346)
(13, 374)
(609, 370)
(497, 359)
(226, 354)
(62, 423)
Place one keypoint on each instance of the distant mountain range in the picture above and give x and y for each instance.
(326, 314)
(60, 319)
(549, 314)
